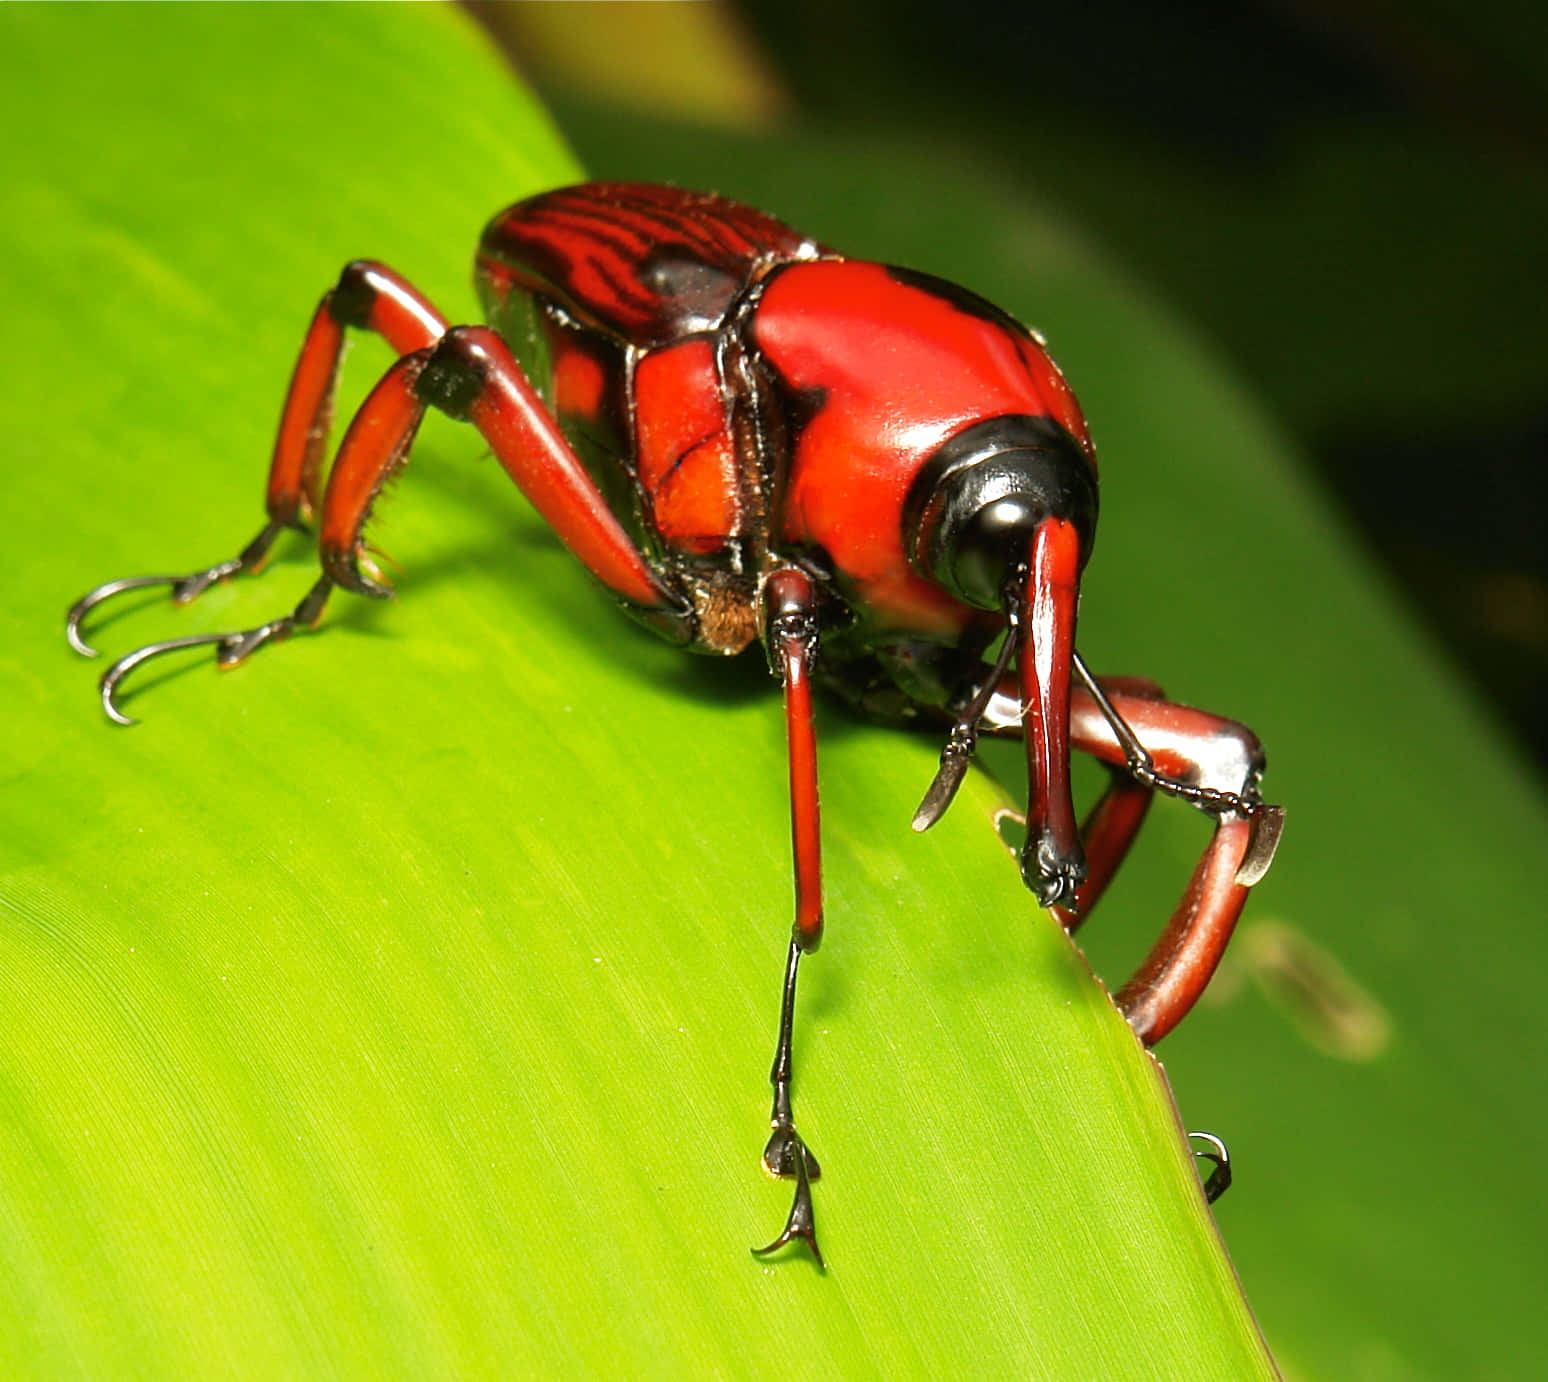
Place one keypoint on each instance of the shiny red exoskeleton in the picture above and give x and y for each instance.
(749, 438)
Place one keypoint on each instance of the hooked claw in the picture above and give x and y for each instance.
(1220, 1178)
(126, 664)
(184, 588)
(786, 1150)
(92, 598)
(230, 648)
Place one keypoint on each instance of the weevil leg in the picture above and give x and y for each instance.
(1214, 764)
(375, 445)
(467, 372)
(1180, 965)
(472, 376)
(230, 648)
(1183, 960)
(791, 602)
(1154, 745)
(367, 296)
(184, 588)
(1219, 1179)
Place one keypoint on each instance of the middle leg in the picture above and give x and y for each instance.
(791, 602)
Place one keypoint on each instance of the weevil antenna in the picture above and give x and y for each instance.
(963, 739)
(1267, 821)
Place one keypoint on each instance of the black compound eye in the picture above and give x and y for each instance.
(973, 509)
(979, 552)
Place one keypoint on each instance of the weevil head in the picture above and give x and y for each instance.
(1003, 518)
(976, 506)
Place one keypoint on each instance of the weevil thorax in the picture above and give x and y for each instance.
(928, 434)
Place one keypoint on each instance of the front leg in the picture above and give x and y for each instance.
(790, 599)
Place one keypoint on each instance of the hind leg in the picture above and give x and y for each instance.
(466, 372)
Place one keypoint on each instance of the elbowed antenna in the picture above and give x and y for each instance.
(963, 739)
(1268, 822)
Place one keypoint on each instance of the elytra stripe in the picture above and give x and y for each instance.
(591, 249)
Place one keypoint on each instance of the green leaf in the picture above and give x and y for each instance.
(400, 1002)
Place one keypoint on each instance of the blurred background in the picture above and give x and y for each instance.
(1347, 200)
